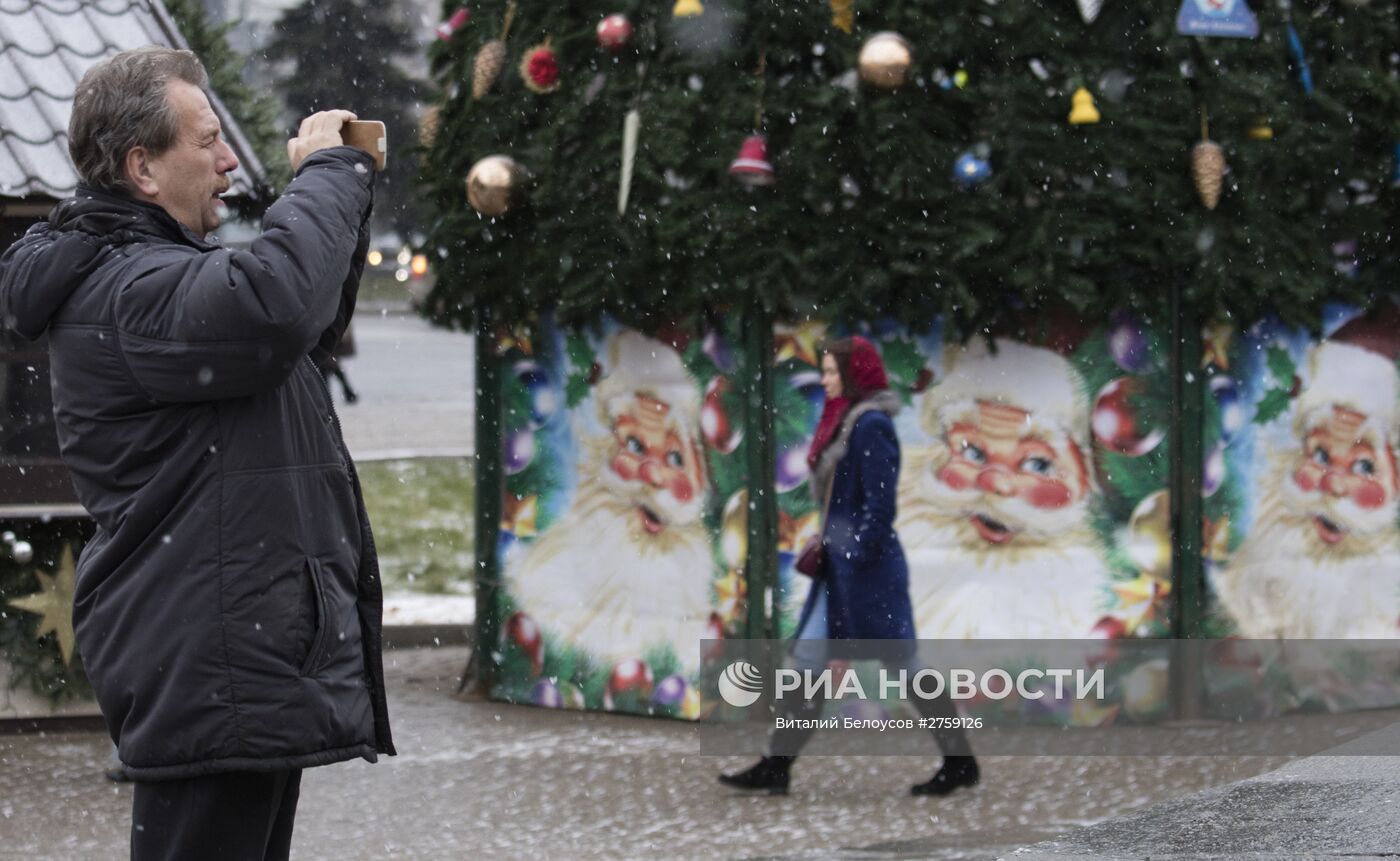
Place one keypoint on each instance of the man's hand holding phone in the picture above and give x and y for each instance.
(317, 132)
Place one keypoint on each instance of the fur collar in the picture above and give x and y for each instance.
(884, 401)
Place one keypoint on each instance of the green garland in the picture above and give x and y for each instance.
(866, 219)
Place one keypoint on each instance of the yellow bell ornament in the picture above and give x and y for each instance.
(687, 9)
(1083, 111)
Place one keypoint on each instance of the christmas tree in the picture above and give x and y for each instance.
(342, 54)
(1026, 157)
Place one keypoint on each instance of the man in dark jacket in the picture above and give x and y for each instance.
(228, 609)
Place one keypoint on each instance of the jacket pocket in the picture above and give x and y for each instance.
(316, 656)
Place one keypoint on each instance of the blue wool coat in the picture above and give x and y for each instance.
(864, 573)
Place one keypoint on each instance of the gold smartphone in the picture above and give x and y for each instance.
(368, 135)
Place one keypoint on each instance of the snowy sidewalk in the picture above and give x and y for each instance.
(417, 388)
(1318, 807)
(491, 781)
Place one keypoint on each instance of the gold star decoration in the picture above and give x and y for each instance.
(793, 532)
(1217, 538)
(1141, 599)
(518, 338)
(520, 514)
(731, 589)
(54, 603)
(843, 15)
(1217, 345)
(1086, 714)
(798, 342)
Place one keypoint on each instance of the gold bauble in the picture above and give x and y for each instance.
(493, 184)
(1150, 536)
(1147, 690)
(885, 60)
(734, 531)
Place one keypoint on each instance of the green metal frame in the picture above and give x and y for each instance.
(762, 563)
(1187, 466)
(489, 475)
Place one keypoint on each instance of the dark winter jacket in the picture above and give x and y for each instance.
(863, 572)
(228, 608)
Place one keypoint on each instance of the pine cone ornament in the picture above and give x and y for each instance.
(1208, 171)
(428, 126)
(490, 60)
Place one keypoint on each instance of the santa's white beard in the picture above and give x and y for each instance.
(1048, 582)
(1285, 581)
(596, 580)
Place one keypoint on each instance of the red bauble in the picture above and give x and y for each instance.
(923, 381)
(1115, 424)
(614, 33)
(630, 675)
(521, 632)
(719, 431)
(713, 638)
(1108, 628)
(540, 69)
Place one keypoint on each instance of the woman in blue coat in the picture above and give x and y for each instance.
(861, 582)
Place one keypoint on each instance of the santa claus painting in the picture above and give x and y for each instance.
(994, 513)
(627, 568)
(1322, 559)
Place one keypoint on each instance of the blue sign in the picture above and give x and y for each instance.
(1228, 18)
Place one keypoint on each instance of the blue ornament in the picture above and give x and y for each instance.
(1127, 343)
(791, 469)
(717, 348)
(809, 385)
(971, 170)
(519, 450)
(546, 693)
(1213, 476)
(1395, 180)
(544, 396)
(669, 692)
(1233, 415)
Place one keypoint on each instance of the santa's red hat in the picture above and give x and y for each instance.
(1355, 369)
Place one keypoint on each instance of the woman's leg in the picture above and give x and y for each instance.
(809, 653)
(959, 766)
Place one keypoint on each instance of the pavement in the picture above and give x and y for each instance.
(494, 781)
(1318, 807)
(417, 387)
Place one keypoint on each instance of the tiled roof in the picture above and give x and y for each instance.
(45, 47)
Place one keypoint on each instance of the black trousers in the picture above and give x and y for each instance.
(240, 816)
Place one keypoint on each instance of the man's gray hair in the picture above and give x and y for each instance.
(121, 103)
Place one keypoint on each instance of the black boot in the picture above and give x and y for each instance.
(770, 773)
(956, 771)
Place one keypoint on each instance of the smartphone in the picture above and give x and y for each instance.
(368, 135)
